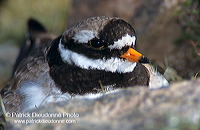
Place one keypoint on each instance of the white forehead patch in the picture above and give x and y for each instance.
(84, 36)
(111, 65)
(126, 40)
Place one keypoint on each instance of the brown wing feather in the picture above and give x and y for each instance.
(30, 65)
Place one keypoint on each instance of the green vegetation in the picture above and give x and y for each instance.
(53, 14)
(189, 19)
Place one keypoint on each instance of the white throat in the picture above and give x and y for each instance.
(110, 65)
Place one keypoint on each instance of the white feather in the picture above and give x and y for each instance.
(112, 65)
(84, 36)
(108, 90)
(36, 95)
(156, 79)
(126, 40)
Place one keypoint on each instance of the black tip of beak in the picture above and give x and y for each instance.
(144, 60)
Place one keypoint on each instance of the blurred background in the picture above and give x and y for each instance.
(168, 31)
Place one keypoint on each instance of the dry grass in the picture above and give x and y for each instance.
(102, 87)
(194, 45)
(2, 114)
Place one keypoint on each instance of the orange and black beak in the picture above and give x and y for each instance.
(133, 56)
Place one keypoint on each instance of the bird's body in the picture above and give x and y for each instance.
(94, 57)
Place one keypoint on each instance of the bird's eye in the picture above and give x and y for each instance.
(97, 44)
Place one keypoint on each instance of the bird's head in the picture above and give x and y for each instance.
(102, 43)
